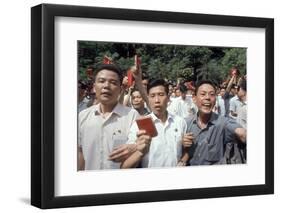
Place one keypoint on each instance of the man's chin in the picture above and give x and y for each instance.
(157, 111)
(107, 101)
(206, 112)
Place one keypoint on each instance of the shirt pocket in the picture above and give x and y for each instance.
(118, 139)
(213, 153)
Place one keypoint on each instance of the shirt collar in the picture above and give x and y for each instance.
(213, 120)
(116, 110)
(170, 117)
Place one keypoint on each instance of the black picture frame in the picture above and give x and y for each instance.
(43, 102)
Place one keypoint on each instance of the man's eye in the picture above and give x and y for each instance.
(113, 82)
(100, 80)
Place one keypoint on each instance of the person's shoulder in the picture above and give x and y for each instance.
(177, 99)
(88, 110)
(127, 111)
(177, 120)
(190, 119)
(176, 117)
(86, 113)
(226, 120)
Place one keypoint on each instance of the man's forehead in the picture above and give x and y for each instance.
(136, 94)
(159, 88)
(107, 74)
(204, 87)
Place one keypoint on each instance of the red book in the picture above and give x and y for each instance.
(130, 78)
(146, 123)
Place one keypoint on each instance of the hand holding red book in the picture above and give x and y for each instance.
(146, 123)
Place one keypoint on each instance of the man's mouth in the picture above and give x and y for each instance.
(106, 94)
(207, 105)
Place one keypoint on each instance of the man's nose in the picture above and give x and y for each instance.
(106, 84)
(157, 99)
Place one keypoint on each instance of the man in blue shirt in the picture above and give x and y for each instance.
(207, 132)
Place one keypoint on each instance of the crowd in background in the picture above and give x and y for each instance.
(198, 123)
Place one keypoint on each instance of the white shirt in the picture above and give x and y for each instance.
(242, 116)
(220, 106)
(83, 104)
(234, 105)
(182, 107)
(166, 148)
(98, 136)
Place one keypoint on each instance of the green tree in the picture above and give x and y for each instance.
(234, 57)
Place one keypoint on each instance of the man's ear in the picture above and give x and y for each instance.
(93, 89)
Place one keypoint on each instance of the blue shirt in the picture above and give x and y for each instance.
(208, 145)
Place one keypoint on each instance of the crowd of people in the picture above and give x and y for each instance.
(197, 123)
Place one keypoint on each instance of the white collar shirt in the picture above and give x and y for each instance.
(166, 148)
(182, 107)
(234, 105)
(98, 135)
(242, 115)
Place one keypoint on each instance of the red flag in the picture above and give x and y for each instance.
(107, 60)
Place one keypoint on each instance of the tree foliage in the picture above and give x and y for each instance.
(165, 61)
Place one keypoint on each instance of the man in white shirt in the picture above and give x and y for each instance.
(104, 126)
(183, 105)
(242, 113)
(164, 150)
(235, 104)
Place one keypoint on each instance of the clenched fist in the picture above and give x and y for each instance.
(187, 140)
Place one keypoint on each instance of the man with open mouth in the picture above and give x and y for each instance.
(104, 127)
(207, 132)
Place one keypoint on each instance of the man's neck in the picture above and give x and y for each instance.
(163, 116)
(141, 110)
(107, 108)
(203, 119)
(244, 98)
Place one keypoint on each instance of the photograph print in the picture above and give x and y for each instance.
(160, 105)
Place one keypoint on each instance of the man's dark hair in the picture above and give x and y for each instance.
(82, 85)
(158, 82)
(243, 85)
(145, 76)
(111, 67)
(199, 83)
(182, 88)
(233, 86)
(134, 90)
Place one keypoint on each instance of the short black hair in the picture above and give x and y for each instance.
(182, 88)
(134, 90)
(145, 76)
(82, 85)
(199, 83)
(158, 82)
(111, 67)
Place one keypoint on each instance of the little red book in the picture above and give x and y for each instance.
(146, 123)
